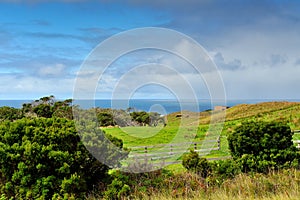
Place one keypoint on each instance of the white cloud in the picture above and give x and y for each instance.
(262, 83)
(56, 70)
(30, 87)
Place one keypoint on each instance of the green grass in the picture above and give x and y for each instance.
(137, 136)
(176, 131)
(193, 126)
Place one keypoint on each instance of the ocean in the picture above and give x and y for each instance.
(163, 106)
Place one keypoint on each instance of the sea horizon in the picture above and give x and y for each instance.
(163, 106)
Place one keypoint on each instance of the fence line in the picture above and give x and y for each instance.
(165, 151)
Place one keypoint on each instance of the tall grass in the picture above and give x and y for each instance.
(273, 186)
(276, 185)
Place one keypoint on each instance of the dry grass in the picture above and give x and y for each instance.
(283, 185)
(273, 186)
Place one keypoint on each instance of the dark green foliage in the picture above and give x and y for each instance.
(119, 187)
(43, 110)
(260, 146)
(122, 118)
(141, 117)
(223, 170)
(105, 119)
(144, 118)
(192, 161)
(63, 109)
(49, 107)
(44, 158)
(215, 172)
(26, 108)
(126, 185)
(9, 113)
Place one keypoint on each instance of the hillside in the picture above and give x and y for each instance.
(275, 110)
(287, 111)
(195, 125)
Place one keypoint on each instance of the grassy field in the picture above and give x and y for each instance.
(193, 126)
(276, 185)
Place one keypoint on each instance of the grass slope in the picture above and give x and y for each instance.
(193, 126)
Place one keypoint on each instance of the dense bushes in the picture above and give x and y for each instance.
(105, 119)
(125, 185)
(48, 107)
(9, 113)
(260, 146)
(43, 158)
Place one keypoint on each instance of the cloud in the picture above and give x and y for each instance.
(219, 60)
(149, 75)
(52, 35)
(41, 22)
(297, 62)
(255, 45)
(31, 87)
(267, 83)
(277, 59)
(57, 70)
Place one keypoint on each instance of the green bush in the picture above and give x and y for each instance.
(43, 158)
(223, 170)
(260, 146)
(9, 113)
(135, 185)
(105, 119)
(192, 161)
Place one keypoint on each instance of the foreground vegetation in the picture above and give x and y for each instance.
(275, 185)
(43, 157)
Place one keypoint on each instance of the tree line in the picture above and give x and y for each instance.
(49, 107)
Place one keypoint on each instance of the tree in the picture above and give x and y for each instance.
(26, 108)
(260, 146)
(43, 110)
(63, 109)
(142, 117)
(48, 107)
(105, 119)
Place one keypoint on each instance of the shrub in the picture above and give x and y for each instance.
(9, 113)
(260, 146)
(43, 158)
(136, 185)
(192, 161)
(223, 170)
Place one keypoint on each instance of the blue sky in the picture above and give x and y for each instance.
(255, 44)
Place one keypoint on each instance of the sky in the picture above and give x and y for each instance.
(254, 44)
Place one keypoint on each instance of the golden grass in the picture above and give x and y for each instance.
(284, 185)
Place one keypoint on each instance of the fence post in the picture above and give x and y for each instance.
(195, 146)
(171, 150)
(219, 145)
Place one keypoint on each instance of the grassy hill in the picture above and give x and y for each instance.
(193, 126)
